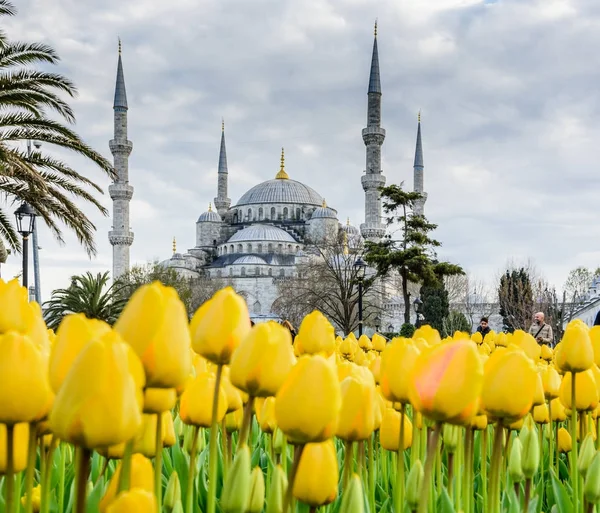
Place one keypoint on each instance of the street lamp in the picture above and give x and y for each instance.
(377, 323)
(360, 266)
(25, 216)
(418, 305)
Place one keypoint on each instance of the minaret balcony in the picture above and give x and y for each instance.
(120, 238)
(372, 181)
(120, 146)
(120, 191)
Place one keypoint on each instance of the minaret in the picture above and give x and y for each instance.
(222, 202)
(418, 169)
(373, 135)
(120, 191)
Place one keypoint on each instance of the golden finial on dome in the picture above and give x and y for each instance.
(210, 207)
(345, 243)
(222, 125)
(375, 31)
(347, 221)
(282, 175)
(119, 46)
(419, 116)
(324, 204)
(174, 246)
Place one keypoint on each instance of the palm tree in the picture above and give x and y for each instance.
(49, 185)
(88, 295)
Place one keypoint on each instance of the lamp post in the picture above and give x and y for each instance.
(360, 266)
(377, 323)
(25, 216)
(417, 305)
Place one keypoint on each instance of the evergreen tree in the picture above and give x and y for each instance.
(413, 254)
(436, 306)
(456, 321)
(515, 295)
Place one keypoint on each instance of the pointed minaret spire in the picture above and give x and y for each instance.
(121, 237)
(373, 136)
(282, 175)
(418, 171)
(174, 245)
(222, 202)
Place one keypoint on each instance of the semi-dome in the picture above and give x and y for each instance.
(350, 229)
(323, 212)
(261, 232)
(281, 191)
(209, 216)
(249, 260)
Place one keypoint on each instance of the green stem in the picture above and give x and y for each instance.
(431, 452)
(574, 471)
(468, 468)
(483, 465)
(557, 447)
(189, 493)
(31, 454)
(372, 469)
(9, 477)
(527, 494)
(550, 437)
(102, 471)
(348, 450)
(124, 475)
(212, 450)
(361, 460)
(81, 477)
(246, 422)
(61, 478)
(47, 475)
(298, 449)
(158, 463)
(496, 463)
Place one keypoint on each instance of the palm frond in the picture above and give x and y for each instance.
(8, 233)
(19, 54)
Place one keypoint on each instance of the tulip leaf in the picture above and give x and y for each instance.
(94, 497)
(513, 502)
(445, 503)
(561, 496)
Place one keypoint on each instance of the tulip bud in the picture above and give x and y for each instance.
(188, 439)
(352, 501)
(279, 484)
(173, 492)
(236, 490)
(591, 487)
(413, 485)
(257, 492)
(564, 440)
(278, 441)
(530, 458)
(515, 470)
(450, 435)
(178, 508)
(586, 454)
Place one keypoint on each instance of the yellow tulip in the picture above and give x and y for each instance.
(446, 382)
(541, 414)
(158, 400)
(539, 396)
(263, 360)
(235, 397)
(20, 445)
(550, 381)
(135, 500)
(316, 482)
(397, 361)
(308, 403)
(547, 353)
(479, 422)
(364, 343)
(389, 431)
(266, 419)
(509, 385)
(74, 333)
(233, 420)
(477, 337)
(595, 340)
(347, 348)
(195, 406)
(429, 334)
(155, 324)
(357, 417)
(528, 344)
(36, 499)
(15, 311)
(141, 476)
(575, 353)
(219, 326)
(378, 342)
(25, 393)
(565, 443)
(586, 391)
(256, 501)
(375, 368)
(100, 402)
(514, 426)
(316, 334)
(360, 358)
(557, 410)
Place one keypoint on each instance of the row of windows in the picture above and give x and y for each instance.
(261, 214)
(257, 272)
(258, 248)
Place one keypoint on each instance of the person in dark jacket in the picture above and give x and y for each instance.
(484, 327)
(597, 320)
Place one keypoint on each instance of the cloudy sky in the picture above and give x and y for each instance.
(508, 91)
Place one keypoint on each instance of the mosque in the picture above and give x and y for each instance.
(262, 237)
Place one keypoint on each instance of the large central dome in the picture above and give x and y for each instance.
(281, 191)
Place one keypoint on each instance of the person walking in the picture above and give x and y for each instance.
(541, 331)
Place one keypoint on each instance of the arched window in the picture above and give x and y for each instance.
(256, 307)
(231, 250)
(214, 242)
(260, 214)
(240, 248)
(289, 248)
(224, 250)
(240, 216)
(249, 248)
(281, 273)
(260, 248)
(279, 248)
(270, 248)
(219, 274)
(270, 272)
(243, 271)
(257, 271)
(298, 214)
(231, 271)
(273, 215)
(297, 249)
(285, 212)
(249, 214)
(235, 217)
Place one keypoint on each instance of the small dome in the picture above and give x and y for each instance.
(209, 216)
(323, 213)
(249, 260)
(350, 229)
(260, 232)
